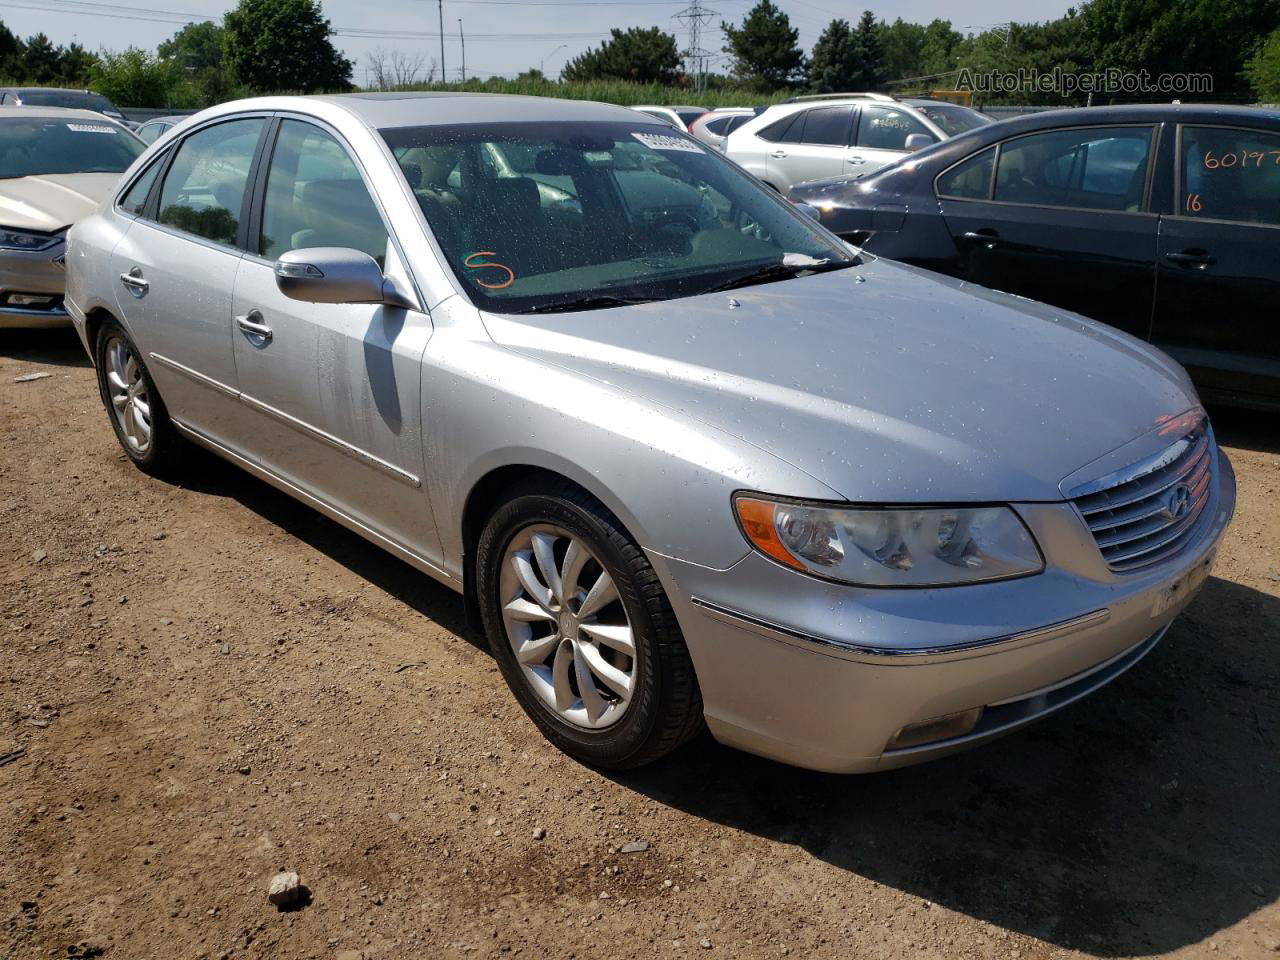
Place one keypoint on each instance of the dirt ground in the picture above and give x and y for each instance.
(204, 685)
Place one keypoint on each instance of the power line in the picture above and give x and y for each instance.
(694, 16)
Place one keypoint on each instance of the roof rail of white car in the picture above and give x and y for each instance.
(840, 96)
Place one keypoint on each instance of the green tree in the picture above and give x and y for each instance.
(133, 78)
(283, 45)
(1263, 70)
(834, 62)
(871, 70)
(41, 61)
(903, 45)
(197, 46)
(640, 54)
(764, 48)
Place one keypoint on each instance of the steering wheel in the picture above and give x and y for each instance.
(676, 224)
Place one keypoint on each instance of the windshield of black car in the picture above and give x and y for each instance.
(66, 98)
(954, 119)
(534, 215)
(47, 145)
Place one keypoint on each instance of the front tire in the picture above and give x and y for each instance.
(582, 630)
(137, 414)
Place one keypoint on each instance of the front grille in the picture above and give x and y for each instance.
(1148, 517)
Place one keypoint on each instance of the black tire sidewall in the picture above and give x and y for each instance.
(613, 746)
(162, 451)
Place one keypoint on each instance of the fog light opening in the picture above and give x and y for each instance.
(939, 728)
(31, 299)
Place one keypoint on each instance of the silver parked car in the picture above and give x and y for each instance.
(56, 165)
(686, 466)
(851, 134)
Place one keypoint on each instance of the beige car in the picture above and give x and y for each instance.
(56, 165)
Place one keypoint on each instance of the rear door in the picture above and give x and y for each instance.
(813, 146)
(882, 138)
(176, 268)
(1218, 293)
(1065, 219)
(330, 392)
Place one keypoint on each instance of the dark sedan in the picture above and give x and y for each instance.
(1162, 220)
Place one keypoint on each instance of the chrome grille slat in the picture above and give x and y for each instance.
(1131, 522)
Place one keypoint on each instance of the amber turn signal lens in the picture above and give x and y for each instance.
(756, 517)
(939, 728)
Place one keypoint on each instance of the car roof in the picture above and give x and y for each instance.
(422, 108)
(47, 90)
(61, 113)
(1140, 113)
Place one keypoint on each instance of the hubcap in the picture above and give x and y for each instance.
(130, 402)
(567, 627)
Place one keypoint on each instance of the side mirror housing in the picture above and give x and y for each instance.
(337, 275)
(917, 141)
(808, 209)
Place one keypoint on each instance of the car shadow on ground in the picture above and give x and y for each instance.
(59, 348)
(1135, 822)
(1248, 429)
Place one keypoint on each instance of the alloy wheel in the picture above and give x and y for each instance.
(127, 389)
(567, 626)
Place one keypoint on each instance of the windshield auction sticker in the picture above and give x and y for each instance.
(89, 128)
(660, 141)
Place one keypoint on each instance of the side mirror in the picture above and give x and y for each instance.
(917, 141)
(337, 275)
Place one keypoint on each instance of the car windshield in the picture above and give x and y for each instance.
(544, 216)
(77, 99)
(49, 145)
(952, 118)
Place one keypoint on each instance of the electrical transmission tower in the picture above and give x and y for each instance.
(694, 17)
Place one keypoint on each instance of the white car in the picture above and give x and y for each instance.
(812, 138)
(714, 126)
(679, 117)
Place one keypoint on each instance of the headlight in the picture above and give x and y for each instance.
(901, 547)
(27, 242)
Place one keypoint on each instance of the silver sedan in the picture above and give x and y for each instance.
(692, 460)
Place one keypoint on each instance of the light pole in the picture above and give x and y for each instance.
(444, 76)
(543, 62)
(463, 40)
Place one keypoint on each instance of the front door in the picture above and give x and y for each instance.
(881, 138)
(1218, 293)
(330, 393)
(177, 265)
(1065, 221)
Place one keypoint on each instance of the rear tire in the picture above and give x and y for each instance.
(134, 407)
(582, 630)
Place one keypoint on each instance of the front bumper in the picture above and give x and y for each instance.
(39, 273)
(822, 675)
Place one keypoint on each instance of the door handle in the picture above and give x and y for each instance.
(857, 160)
(1197, 259)
(988, 237)
(779, 154)
(257, 331)
(134, 283)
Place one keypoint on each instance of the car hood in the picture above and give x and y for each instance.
(50, 202)
(885, 382)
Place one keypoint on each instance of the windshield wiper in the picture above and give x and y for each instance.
(597, 302)
(777, 271)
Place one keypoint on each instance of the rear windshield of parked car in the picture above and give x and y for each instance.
(50, 146)
(538, 215)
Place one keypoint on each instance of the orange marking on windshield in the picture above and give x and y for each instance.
(511, 275)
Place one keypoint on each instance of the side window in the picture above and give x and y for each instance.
(887, 128)
(829, 126)
(1230, 174)
(970, 179)
(204, 188)
(1092, 168)
(136, 198)
(736, 121)
(316, 198)
(718, 126)
(787, 130)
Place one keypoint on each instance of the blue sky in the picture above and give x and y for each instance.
(503, 36)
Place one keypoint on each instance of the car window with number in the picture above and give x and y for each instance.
(315, 197)
(1230, 174)
(204, 189)
(1090, 168)
(887, 128)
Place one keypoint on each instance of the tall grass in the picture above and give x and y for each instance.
(612, 91)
